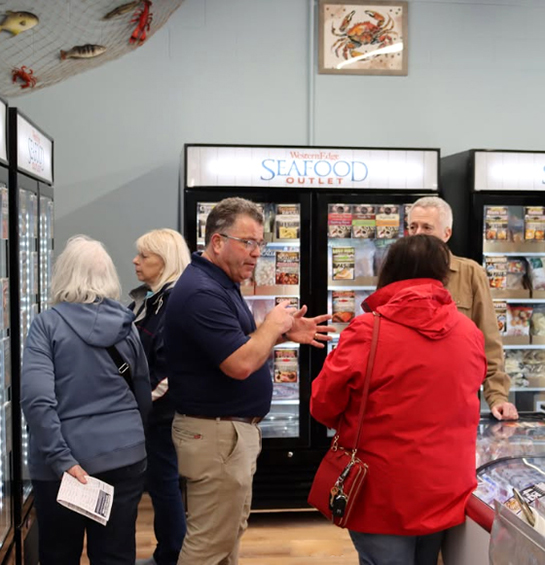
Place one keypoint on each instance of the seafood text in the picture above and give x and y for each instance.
(314, 171)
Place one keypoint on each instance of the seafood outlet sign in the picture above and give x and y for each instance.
(34, 151)
(496, 170)
(297, 167)
(3, 136)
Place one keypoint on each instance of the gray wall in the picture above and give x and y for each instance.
(243, 71)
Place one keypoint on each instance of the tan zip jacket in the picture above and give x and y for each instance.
(470, 290)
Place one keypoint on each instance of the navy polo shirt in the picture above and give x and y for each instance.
(206, 321)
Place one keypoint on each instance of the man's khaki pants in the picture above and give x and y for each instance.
(218, 460)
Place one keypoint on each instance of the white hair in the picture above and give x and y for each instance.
(442, 207)
(171, 247)
(84, 273)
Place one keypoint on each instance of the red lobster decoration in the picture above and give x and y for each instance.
(144, 18)
(25, 75)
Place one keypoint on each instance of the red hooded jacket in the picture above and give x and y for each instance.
(420, 425)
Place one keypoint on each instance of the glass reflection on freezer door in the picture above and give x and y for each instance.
(514, 260)
(28, 274)
(275, 279)
(46, 251)
(5, 373)
(510, 438)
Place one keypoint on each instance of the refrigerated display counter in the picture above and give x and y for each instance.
(509, 455)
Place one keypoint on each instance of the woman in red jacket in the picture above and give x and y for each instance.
(420, 425)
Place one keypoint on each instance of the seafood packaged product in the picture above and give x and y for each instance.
(518, 320)
(388, 221)
(365, 257)
(285, 391)
(4, 212)
(339, 220)
(381, 250)
(203, 209)
(268, 211)
(5, 302)
(496, 271)
(264, 268)
(536, 272)
(287, 267)
(293, 301)
(364, 223)
(260, 309)
(287, 221)
(343, 306)
(343, 259)
(537, 324)
(534, 223)
(406, 210)
(496, 222)
(516, 273)
(500, 308)
(286, 365)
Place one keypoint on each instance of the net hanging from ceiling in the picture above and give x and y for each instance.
(44, 42)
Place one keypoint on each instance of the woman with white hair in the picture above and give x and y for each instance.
(162, 256)
(84, 417)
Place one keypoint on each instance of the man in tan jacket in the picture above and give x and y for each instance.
(470, 290)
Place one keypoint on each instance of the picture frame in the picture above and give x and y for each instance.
(349, 32)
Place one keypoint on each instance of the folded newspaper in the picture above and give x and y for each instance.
(93, 499)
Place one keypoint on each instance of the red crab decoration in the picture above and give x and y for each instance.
(25, 76)
(144, 18)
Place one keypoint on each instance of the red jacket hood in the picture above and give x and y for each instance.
(424, 305)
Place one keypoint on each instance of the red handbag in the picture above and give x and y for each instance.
(340, 477)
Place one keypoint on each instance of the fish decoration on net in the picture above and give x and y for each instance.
(58, 39)
(123, 9)
(16, 22)
(83, 52)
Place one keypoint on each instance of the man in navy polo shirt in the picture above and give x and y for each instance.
(219, 379)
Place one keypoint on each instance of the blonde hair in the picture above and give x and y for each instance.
(171, 247)
(84, 273)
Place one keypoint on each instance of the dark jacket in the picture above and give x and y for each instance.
(150, 319)
(80, 411)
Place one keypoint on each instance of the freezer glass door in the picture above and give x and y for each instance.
(514, 259)
(5, 373)
(28, 296)
(358, 238)
(276, 278)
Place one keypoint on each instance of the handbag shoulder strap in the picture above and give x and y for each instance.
(123, 368)
(370, 365)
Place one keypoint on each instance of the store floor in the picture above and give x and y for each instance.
(277, 538)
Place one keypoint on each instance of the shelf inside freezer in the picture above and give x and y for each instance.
(285, 402)
(351, 287)
(522, 300)
(527, 346)
(513, 253)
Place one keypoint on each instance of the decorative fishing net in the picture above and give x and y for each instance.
(63, 25)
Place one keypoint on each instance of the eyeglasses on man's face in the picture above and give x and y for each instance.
(250, 244)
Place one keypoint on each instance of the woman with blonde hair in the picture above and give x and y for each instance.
(84, 417)
(162, 256)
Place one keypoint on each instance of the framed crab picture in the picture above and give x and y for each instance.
(362, 37)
